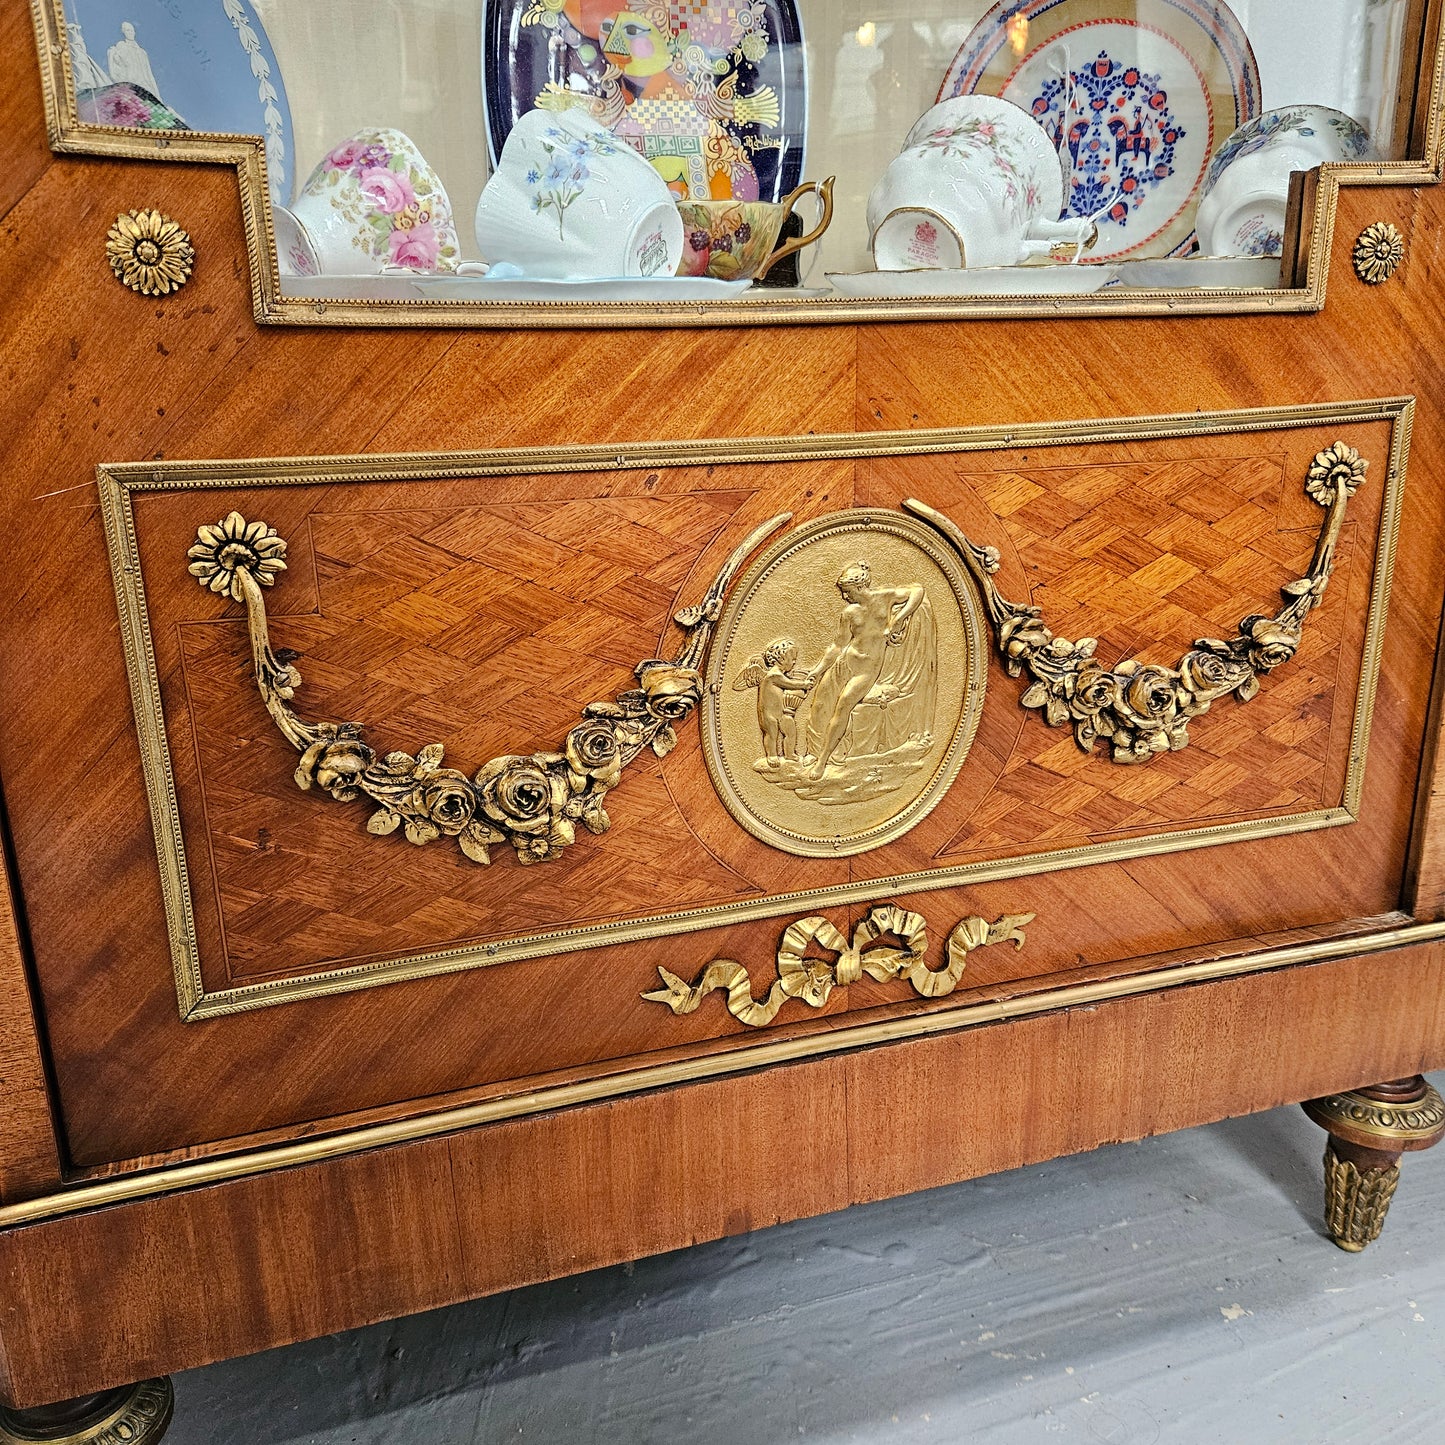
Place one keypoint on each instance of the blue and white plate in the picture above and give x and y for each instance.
(203, 65)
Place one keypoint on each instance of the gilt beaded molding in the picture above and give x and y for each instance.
(69, 135)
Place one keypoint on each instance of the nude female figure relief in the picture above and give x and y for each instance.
(855, 723)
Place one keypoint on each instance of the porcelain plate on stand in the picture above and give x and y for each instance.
(1137, 94)
(718, 103)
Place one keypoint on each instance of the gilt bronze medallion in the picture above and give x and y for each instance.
(845, 684)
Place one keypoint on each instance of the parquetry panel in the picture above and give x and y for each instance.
(488, 627)
(1148, 558)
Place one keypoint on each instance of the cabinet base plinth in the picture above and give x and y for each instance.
(133, 1415)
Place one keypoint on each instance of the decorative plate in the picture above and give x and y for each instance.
(205, 65)
(1136, 94)
(712, 92)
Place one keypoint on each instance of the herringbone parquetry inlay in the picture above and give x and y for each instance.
(488, 627)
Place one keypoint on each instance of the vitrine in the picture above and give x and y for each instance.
(507, 772)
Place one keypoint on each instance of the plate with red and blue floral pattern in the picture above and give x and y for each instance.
(1135, 96)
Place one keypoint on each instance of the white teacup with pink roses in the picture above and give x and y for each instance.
(978, 183)
(372, 204)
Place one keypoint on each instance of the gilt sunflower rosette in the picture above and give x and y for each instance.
(150, 253)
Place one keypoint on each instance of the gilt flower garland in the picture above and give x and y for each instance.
(534, 802)
(1143, 709)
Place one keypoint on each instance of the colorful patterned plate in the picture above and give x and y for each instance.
(205, 65)
(1136, 94)
(712, 92)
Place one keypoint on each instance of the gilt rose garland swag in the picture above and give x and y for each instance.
(1142, 709)
(534, 801)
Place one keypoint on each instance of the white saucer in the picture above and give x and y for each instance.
(1212, 273)
(975, 281)
(611, 288)
(414, 286)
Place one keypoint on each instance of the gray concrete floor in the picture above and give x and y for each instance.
(1179, 1290)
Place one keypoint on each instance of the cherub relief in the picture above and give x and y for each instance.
(780, 690)
(858, 721)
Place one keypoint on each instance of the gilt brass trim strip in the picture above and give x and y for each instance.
(212, 475)
(117, 483)
(770, 1052)
(145, 694)
(71, 136)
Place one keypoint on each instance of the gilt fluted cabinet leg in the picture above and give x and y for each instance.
(1369, 1130)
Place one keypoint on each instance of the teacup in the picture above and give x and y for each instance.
(372, 203)
(978, 184)
(570, 200)
(1245, 194)
(738, 240)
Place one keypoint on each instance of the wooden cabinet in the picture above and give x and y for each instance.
(269, 1074)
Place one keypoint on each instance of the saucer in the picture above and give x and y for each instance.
(397, 286)
(975, 281)
(1194, 273)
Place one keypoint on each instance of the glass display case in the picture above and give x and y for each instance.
(575, 161)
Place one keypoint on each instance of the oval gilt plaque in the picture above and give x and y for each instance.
(845, 684)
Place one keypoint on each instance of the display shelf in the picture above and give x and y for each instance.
(1140, 159)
